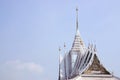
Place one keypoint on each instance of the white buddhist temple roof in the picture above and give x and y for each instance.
(82, 63)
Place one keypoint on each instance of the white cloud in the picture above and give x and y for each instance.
(25, 66)
(20, 70)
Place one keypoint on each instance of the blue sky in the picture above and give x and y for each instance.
(32, 30)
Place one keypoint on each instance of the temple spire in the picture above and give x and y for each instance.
(78, 44)
(76, 19)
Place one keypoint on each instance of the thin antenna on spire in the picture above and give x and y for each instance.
(76, 18)
(59, 78)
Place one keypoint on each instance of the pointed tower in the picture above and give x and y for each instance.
(78, 44)
(77, 51)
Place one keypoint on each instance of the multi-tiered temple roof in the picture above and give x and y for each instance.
(82, 63)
